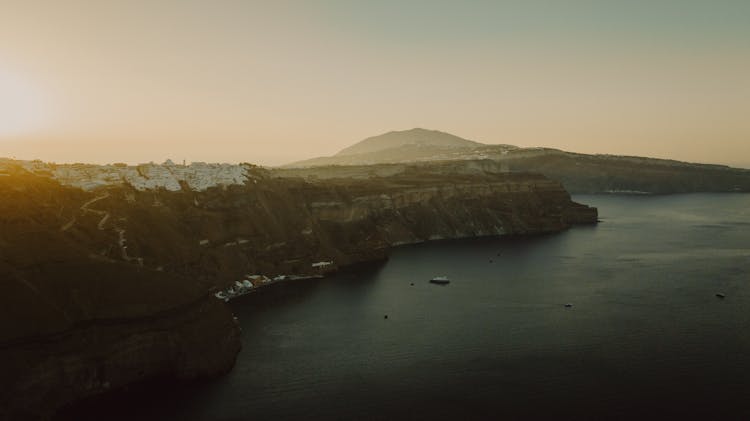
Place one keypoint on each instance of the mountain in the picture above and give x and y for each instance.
(413, 137)
(415, 145)
(579, 173)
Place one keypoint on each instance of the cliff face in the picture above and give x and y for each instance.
(75, 322)
(42, 373)
(413, 210)
(105, 287)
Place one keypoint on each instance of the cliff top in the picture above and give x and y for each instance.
(198, 176)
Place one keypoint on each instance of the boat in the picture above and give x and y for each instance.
(440, 280)
(720, 295)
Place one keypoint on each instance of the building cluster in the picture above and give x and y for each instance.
(198, 176)
(248, 284)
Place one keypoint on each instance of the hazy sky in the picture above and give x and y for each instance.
(276, 81)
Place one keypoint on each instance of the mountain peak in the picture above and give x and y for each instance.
(415, 136)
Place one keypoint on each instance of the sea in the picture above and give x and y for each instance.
(620, 320)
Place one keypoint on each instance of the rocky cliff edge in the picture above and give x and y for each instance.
(109, 285)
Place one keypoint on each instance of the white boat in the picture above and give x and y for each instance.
(440, 280)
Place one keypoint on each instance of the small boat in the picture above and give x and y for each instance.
(568, 305)
(720, 295)
(440, 280)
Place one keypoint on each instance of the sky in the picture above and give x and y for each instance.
(277, 81)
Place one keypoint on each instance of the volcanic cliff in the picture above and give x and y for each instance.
(109, 282)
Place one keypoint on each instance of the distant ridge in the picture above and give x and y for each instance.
(416, 136)
(579, 173)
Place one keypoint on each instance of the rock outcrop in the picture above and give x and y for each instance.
(112, 284)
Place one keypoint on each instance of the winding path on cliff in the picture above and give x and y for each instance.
(105, 215)
(121, 240)
(85, 208)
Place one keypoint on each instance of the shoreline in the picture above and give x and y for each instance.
(266, 282)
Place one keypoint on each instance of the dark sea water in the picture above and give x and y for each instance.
(646, 336)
